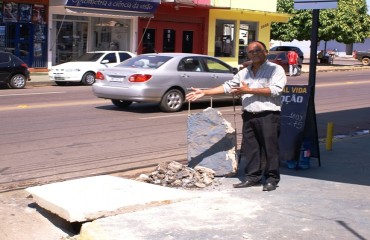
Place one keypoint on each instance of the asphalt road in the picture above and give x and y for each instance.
(53, 133)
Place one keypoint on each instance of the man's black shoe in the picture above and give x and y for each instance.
(269, 187)
(246, 184)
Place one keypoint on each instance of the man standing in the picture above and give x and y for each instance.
(293, 63)
(260, 85)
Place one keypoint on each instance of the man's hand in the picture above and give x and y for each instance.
(243, 89)
(195, 94)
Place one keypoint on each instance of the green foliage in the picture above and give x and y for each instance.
(348, 23)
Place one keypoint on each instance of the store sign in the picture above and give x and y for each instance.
(315, 4)
(148, 6)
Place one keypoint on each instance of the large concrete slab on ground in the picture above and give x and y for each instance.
(91, 198)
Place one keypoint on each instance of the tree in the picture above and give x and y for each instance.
(348, 23)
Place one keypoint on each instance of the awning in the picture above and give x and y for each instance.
(269, 16)
(139, 8)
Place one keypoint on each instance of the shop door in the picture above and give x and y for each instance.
(187, 41)
(18, 40)
(26, 41)
(178, 37)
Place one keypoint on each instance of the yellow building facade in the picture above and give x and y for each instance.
(235, 23)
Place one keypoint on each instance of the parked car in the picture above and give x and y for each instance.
(290, 48)
(13, 71)
(84, 68)
(363, 57)
(163, 78)
(281, 58)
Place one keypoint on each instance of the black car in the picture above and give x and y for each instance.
(290, 48)
(13, 71)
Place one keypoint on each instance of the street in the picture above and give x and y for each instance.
(52, 133)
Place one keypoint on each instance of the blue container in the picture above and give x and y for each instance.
(305, 156)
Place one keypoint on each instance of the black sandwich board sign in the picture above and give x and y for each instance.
(298, 123)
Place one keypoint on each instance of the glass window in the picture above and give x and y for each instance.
(214, 65)
(190, 65)
(247, 32)
(71, 41)
(111, 57)
(225, 38)
(124, 56)
(110, 34)
(145, 61)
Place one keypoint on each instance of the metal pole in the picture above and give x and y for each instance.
(312, 76)
(313, 57)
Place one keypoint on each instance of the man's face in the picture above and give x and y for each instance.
(256, 53)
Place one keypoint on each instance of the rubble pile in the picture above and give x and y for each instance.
(175, 174)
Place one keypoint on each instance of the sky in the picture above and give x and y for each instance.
(368, 5)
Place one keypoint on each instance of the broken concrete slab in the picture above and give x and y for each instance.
(211, 142)
(91, 198)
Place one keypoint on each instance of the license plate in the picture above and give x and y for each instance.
(115, 79)
(59, 78)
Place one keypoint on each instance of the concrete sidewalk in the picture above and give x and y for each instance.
(327, 202)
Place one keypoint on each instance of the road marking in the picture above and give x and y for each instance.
(26, 94)
(64, 104)
(340, 84)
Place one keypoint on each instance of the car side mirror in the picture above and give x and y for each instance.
(105, 61)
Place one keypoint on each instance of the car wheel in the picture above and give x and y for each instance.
(366, 61)
(172, 101)
(60, 83)
(17, 81)
(88, 78)
(121, 103)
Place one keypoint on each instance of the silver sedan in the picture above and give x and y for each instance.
(162, 78)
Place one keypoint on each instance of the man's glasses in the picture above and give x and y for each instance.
(258, 51)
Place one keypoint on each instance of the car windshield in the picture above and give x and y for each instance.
(145, 61)
(89, 57)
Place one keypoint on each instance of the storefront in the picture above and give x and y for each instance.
(230, 31)
(78, 26)
(175, 28)
(23, 30)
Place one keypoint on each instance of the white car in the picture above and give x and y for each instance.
(84, 68)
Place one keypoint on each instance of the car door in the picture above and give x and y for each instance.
(219, 72)
(4, 67)
(192, 73)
